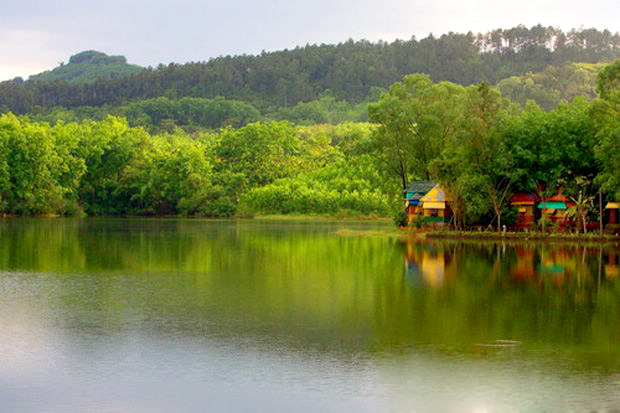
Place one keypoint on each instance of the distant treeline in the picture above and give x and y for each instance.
(195, 114)
(349, 70)
(547, 88)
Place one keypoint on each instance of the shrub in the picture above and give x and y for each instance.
(400, 218)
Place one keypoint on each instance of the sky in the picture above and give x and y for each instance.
(36, 35)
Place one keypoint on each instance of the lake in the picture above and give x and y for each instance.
(167, 315)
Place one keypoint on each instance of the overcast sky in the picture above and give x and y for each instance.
(36, 35)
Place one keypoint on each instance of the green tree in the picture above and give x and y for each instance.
(606, 114)
(107, 147)
(476, 164)
(416, 118)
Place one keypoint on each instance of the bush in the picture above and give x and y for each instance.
(400, 218)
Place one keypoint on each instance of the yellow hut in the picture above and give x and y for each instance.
(436, 206)
(413, 194)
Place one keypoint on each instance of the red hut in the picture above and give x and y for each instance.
(525, 204)
(613, 208)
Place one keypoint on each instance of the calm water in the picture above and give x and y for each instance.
(104, 315)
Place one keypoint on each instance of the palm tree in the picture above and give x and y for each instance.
(583, 205)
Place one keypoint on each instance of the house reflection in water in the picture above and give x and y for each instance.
(427, 265)
(524, 269)
(544, 266)
(556, 265)
(612, 264)
(559, 264)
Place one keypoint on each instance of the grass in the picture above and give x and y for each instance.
(393, 233)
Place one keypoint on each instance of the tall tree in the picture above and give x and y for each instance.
(606, 113)
(416, 118)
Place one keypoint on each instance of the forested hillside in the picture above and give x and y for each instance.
(553, 84)
(350, 71)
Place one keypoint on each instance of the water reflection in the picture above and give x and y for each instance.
(433, 264)
(297, 306)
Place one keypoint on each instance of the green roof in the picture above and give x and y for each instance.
(414, 196)
(419, 187)
(552, 205)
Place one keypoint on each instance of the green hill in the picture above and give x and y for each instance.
(87, 67)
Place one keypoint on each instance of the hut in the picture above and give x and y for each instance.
(556, 209)
(413, 194)
(612, 209)
(525, 204)
(436, 206)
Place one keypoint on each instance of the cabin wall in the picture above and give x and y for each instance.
(526, 215)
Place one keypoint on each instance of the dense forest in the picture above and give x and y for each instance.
(547, 88)
(552, 85)
(479, 144)
(349, 72)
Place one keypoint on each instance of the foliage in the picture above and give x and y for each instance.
(553, 85)
(325, 109)
(38, 167)
(400, 218)
(189, 112)
(583, 204)
(475, 164)
(342, 186)
(415, 119)
(606, 115)
(554, 148)
(161, 114)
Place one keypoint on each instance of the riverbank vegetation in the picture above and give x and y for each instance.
(479, 144)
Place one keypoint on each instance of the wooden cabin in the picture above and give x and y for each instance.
(436, 206)
(612, 213)
(525, 204)
(412, 195)
(556, 209)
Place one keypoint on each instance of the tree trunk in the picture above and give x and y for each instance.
(600, 210)
(583, 220)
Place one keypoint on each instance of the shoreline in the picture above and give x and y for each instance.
(523, 236)
(399, 232)
(270, 217)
